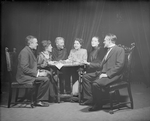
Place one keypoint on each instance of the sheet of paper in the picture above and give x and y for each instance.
(59, 65)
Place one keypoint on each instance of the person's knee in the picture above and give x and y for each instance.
(46, 79)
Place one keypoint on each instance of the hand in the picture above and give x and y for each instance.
(103, 76)
(43, 73)
(85, 62)
(44, 64)
(67, 61)
(50, 62)
(62, 61)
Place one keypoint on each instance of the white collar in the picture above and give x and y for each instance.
(111, 46)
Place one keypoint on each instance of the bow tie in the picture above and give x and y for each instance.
(110, 48)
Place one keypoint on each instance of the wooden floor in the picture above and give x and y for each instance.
(67, 111)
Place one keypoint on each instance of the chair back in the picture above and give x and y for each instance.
(128, 60)
(11, 61)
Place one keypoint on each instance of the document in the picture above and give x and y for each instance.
(59, 65)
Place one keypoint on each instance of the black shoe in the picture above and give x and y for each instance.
(95, 108)
(53, 100)
(74, 99)
(24, 99)
(87, 102)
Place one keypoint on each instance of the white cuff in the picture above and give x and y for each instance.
(37, 73)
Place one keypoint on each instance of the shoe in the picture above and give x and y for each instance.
(41, 104)
(24, 99)
(74, 99)
(87, 102)
(53, 100)
(95, 108)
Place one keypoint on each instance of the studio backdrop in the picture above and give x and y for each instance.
(130, 21)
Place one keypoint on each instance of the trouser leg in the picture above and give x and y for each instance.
(87, 85)
(43, 89)
(52, 87)
(97, 92)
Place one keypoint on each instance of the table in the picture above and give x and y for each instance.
(58, 66)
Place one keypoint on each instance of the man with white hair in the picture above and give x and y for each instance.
(60, 52)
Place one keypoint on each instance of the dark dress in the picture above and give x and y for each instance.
(42, 64)
(92, 71)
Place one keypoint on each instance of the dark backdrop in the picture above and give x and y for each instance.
(130, 21)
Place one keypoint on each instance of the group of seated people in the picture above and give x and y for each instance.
(102, 67)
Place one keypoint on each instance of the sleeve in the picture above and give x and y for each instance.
(119, 63)
(54, 54)
(70, 57)
(42, 61)
(65, 55)
(95, 65)
(85, 56)
(25, 64)
(39, 60)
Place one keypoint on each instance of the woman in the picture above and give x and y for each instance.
(93, 69)
(77, 55)
(44, 57)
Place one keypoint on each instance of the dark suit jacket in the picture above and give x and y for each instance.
(114, 63)
(27, 66)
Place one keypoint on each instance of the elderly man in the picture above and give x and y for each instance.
(27, 71)
(60, 52)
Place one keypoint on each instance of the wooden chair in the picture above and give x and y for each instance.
(11, 61)
(113, 89)
(81, 72)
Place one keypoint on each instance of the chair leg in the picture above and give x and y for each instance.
(71, 88)
(26, 92)
(32, 102)
(79, 93)
(80, 87)
(9, 97)
(58, 87)
(111, 102)
(117, 94)
(130, 96)
(17, 92)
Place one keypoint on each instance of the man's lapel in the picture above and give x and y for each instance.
(30, 51)
(110, 53)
